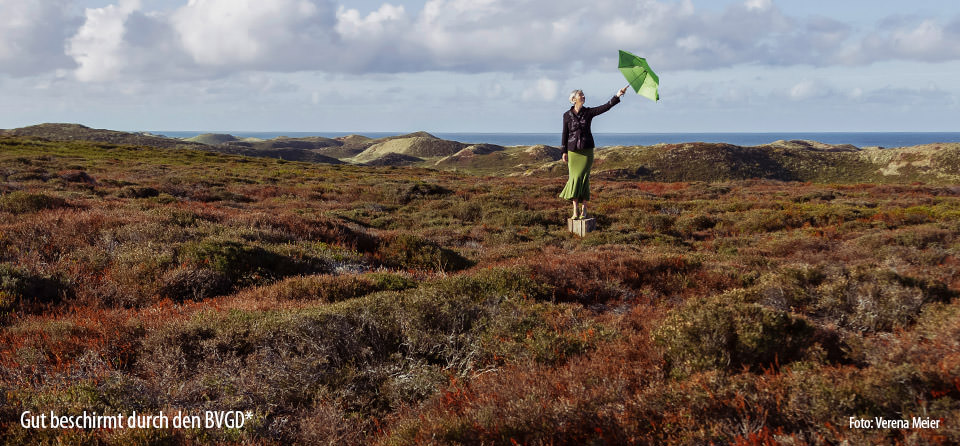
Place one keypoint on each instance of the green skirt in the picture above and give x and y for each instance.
(578, 185)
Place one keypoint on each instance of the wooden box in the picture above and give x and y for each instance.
(581, 226)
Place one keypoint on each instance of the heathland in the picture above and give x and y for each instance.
(413, 290)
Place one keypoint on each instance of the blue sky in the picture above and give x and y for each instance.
(478, 65)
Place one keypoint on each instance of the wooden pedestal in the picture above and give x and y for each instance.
(581, 227)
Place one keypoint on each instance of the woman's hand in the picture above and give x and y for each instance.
(622, 91)
(564, 157)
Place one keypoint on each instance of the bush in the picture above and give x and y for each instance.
(866, 299)
(695, 223)
(244, 264)
(368, 356)
(37, 174)
(77, 176)
(498, 282)
(18, 202)
(328, 288)
(717, 333)
(391, 281)
(467, 211)
(602, 274)
(138, 192)
(862, 299)
(23, 290)
(410, 251)
(532, 218)
(658, 222)
(790, 288)
(420, 189)
(196, 284)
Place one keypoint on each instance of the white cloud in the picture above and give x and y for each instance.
(252, 33)
(807, 90)
(351, 25)
(212, 38)
(32, 35)
(758, 5)
(99, 46)
(926, 40)
(543, 89)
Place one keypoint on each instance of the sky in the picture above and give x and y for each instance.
(479, 65)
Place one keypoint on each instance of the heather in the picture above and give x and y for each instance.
(348, 304)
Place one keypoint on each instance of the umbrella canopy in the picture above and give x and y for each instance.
(643, 80)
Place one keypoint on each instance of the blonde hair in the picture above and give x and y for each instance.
(574, 94)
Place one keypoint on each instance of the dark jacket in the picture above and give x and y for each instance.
(576, 126)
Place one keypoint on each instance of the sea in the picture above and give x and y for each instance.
(858, 139)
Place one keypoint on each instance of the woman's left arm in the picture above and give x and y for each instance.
(613, 101)
(594, 111)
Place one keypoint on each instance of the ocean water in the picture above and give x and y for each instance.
(859, 139)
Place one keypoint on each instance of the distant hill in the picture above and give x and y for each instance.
(795, 160)
(544, 153)
(308, 143)
(355, 140)
(309, 149)
(479, 149)
(488, 159)
(427, 146)
(77, 132)
(284, 153)
(313, 148)
(813, 145)
(394, 159)
(212, 138)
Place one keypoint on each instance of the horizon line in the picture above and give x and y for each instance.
(360, 132)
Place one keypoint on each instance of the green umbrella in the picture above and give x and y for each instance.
(643, 80)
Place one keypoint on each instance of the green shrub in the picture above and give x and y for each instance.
(658, 222)
(384, 281)
(19, 202)
(871, 299)
(420, 189)
(467, 211)
(725, 334)
(368, 355)
(330, 288)
(695, 223)
(188, 283)
(497, 282)
(243, 263)
(77, 176)
(923, 237)
(21, 289)
(182, 217)
(410, 251)
(862, 298)
(138, 192)
(532, 218)
(790, 288)
(600, 238)
(30, 175)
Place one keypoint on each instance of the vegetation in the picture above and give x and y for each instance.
(346, 304)
(77, 132)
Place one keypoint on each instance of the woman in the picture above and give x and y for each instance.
(578, 149)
